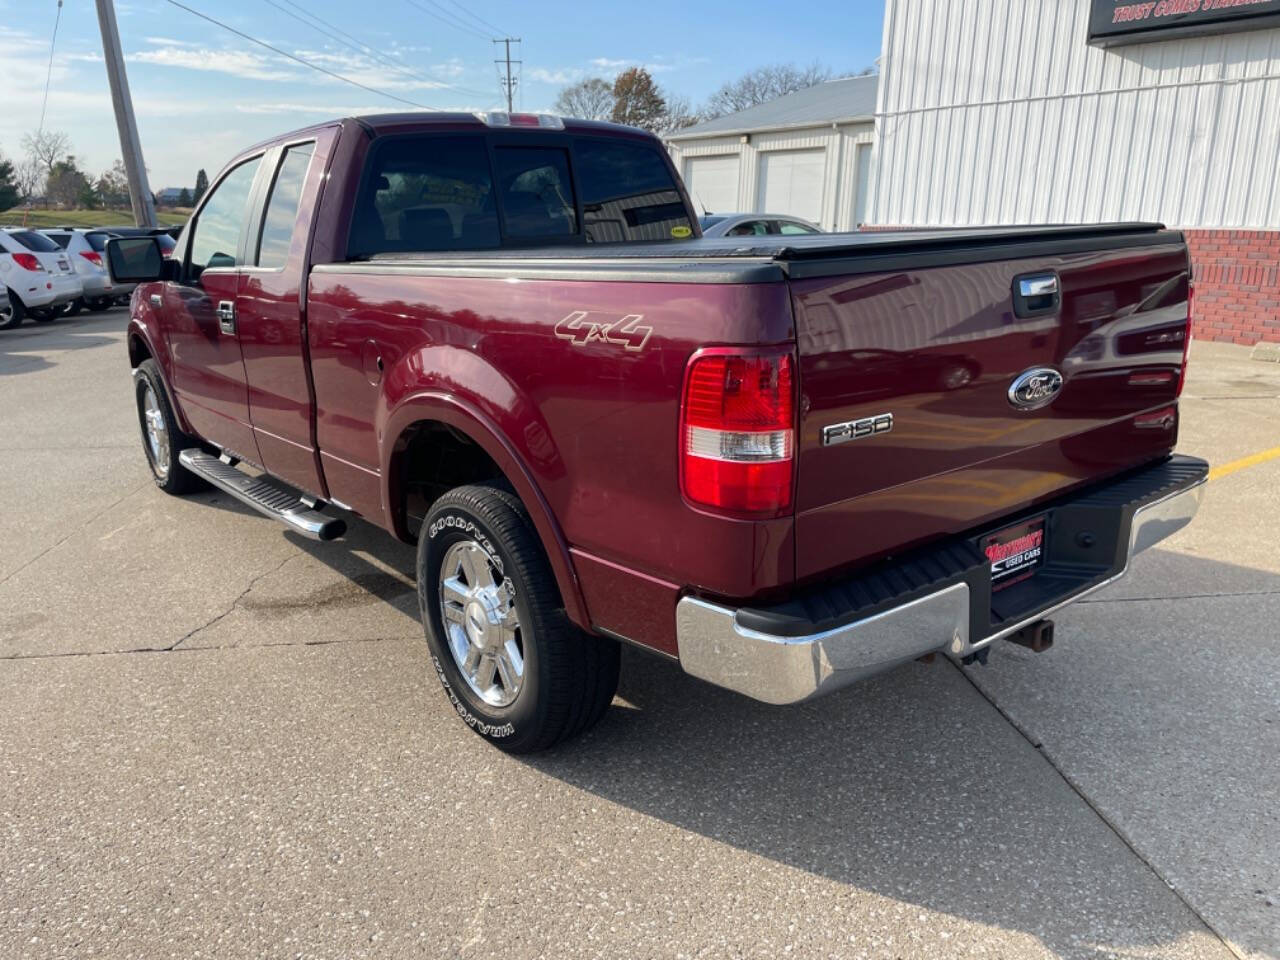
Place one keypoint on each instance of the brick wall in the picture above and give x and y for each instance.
(1237, 285)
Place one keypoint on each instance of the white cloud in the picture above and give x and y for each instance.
(561, 75)
(236, 63)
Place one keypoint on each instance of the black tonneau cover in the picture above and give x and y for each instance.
(766, 259)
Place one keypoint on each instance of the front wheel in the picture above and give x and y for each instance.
(514, 667)
(162, 438)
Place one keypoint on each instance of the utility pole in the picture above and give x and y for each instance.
(509, 84)
(144, 211)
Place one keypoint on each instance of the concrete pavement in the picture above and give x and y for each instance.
(220, 740)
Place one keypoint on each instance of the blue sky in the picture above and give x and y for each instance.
(201, 93)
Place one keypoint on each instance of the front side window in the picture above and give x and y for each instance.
(282, 208)
(425, 194)
(216, 238)
(628, 193)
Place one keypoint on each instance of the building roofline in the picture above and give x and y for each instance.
(739, 131)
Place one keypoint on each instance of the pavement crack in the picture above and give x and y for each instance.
(234, 603)
(54, 546)
(225, 646)
(1111, 825)
(1187, 596)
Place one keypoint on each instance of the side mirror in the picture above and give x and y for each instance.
(137, 260)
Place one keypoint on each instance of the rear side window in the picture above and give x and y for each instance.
(61, 239)
(537, 193)
(628, 193)
(282, 208)
(425, 194)
(98, 240)
(35, 242)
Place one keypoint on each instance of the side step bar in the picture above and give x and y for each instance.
(264, 495)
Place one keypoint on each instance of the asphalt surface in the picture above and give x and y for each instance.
(220, 740)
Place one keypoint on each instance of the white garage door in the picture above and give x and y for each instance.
(713, 183)
(791, 182)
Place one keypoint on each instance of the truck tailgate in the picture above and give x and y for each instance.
(907, 428)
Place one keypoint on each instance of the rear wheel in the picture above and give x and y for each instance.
(72, 308)
(162, 438)
(516, 670)
(12, 312)
(45, 314)
(98, 304)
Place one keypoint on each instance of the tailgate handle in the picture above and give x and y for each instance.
(1036, 294)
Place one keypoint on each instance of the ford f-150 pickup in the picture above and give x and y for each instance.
(785, 462)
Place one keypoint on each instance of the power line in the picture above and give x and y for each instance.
(445, 17)
(508, 83)
(44, 104)
(297, 59)
(485, 24)
(353, 43)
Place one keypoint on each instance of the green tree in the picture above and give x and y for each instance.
(637, 100)
(202, 185)
(9, 192)
(66, 183)
(184, 197)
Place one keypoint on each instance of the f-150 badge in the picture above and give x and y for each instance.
(626, 332)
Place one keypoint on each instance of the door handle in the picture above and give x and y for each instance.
(1037, 294)
(156, 300)
(227, 317)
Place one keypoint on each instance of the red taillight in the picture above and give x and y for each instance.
(1186, 338)
(737, 430)
(93, 256)
(28, 261)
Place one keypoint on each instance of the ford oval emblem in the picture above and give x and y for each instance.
(1035, 388)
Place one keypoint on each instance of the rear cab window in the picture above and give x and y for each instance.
(431, 192)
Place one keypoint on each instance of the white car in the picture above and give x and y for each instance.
(37, 275)
(754, 225)
(86, 249)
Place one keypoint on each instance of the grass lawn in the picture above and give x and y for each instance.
(85, 218)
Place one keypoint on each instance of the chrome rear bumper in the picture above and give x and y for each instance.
(777, 668)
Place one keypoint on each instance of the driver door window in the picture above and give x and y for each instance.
(219, 229)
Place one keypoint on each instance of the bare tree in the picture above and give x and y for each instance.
(30, 177)
(46, 148)
(590, 99)
(762, 85)
(680, 114)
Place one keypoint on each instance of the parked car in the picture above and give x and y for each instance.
(468, 331)
(755, 225)
(85, 250)
(38, 277)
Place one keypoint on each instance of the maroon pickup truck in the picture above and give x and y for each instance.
(786, 462)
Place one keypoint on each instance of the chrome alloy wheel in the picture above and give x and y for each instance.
(155, 432)
(478, 609)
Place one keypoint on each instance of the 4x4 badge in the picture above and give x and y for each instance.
(626, 332)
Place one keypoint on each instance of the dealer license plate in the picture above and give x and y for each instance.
(1015, 552)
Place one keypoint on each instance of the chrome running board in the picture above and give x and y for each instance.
(264, 495)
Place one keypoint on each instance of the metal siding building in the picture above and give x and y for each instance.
(807, 154)
(995, 113)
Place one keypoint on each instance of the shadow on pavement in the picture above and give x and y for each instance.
(910, 785)
(20, 348)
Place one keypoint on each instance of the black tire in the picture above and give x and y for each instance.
(45, 314)
(98, 304)
(13, 313)
(169, 475)
(569, 677)
(72, 308)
